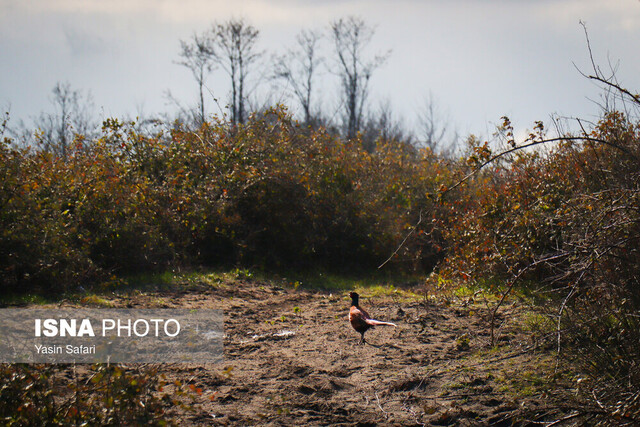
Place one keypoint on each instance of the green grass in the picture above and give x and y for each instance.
(171, 281)
(27, 299)
(165, 278)
(377, 283)
(373, 285)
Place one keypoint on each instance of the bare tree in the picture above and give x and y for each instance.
(72, 118)
(384, 126)
(391, 127)
(197, 55)
(350, 38)
(613, 90)
(234, 43)
(298, 68)
(435, 128)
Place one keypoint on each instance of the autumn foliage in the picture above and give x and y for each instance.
(563, 222)
(268, 194)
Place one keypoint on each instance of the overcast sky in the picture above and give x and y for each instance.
(479, 59)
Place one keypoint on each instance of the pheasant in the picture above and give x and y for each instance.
(360, 319)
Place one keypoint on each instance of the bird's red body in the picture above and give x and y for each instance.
(360, 319)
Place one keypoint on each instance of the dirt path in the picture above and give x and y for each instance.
(291, 358)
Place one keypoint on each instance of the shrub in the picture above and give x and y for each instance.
(266, 194)
(569, 220)
(106, 395)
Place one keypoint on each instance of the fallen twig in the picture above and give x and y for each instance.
(567, 418)
(386, 414)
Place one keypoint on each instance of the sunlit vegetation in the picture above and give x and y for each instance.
(265, 193)
(268, 194)
(271, 195)
(564, 226)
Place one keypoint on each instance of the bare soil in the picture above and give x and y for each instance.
(292, 358)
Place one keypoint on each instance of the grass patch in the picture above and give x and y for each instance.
(379, 283)
(26, 299)
(327, 281)
(374, 285)
(537, 323)
(172, 281)
(144, 280)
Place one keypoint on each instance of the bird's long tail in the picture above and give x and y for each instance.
(374, 322)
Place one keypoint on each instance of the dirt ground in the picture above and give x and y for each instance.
(292, 358)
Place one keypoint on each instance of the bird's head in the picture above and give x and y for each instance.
(354, 298)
